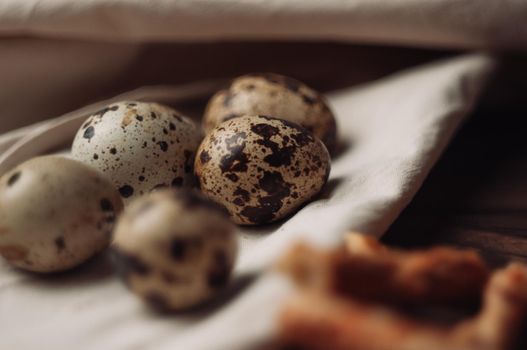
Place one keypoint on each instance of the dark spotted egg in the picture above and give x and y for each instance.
(139, 146)
(260, 168)
(55, 213)
(174, 248)
(276, 95)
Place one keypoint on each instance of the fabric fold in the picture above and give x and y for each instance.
(397, 128)
(393, 130)
(439, 23)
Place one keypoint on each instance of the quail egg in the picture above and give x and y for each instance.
(139, 146)
(55, 213)
(174, 248)
(274, 95)
(260, 168)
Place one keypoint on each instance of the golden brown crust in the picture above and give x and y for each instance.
(323, 315)
(369, 271)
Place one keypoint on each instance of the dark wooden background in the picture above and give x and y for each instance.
(476, 196)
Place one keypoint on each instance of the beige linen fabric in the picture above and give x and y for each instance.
(68, 58)
(396, 128)
(91, 49)
(467, 23)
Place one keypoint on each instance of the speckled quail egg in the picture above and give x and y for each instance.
(55, 213)
(174, 248)
(274, 95)
(139, 146)
(260, 168)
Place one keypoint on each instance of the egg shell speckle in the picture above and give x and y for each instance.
(273, 95)
(55, 213)
(261, 169)
(174, 248)
(139, 146)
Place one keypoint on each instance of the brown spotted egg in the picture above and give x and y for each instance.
(174, 248)
(55, 213)
(260, 168)
(139, 146)
(276, 95)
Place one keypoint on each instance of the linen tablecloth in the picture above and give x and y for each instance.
(396, 107)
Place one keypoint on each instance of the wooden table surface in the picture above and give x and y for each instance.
(476, 196)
